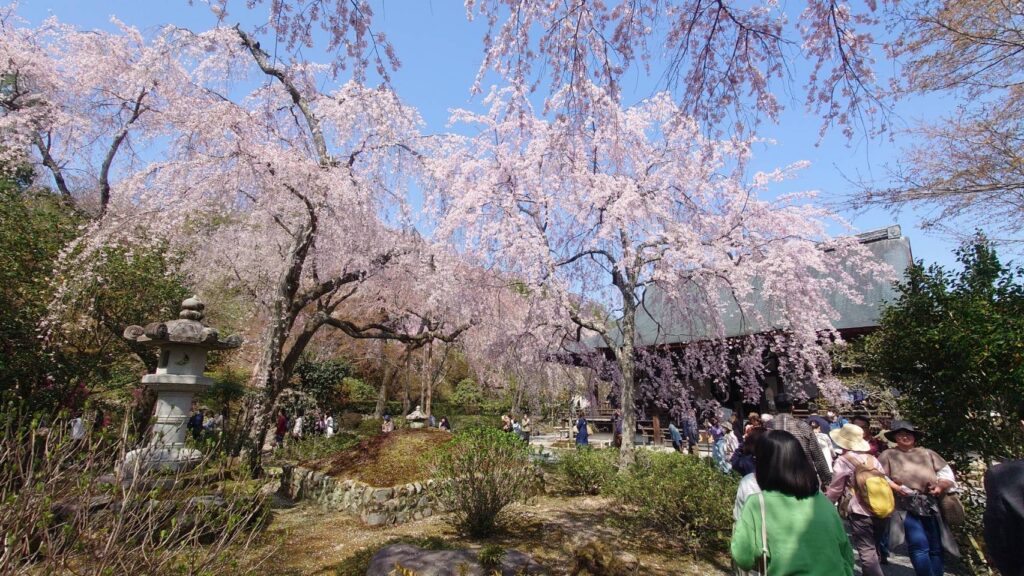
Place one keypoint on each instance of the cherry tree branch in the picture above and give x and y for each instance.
(115, 145)
(263, 60)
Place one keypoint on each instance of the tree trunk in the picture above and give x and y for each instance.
(388, 375)
(406, 400)
(425, 375)
(427, 384)
(271, 375)
(382, 398)
(624, 354)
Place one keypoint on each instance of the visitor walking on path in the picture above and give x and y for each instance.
(444, 425)
(677, 438)
(865, 527)
(1004, 513)
(825, 443)
(388, 425)
(730, 447)
(744, 460)
(717, 433)
(281, 428)
(195, 424)
(877, 447)
(920, 477)
(690, 432)
(77, 427)
(835, 420)
(753, 421)
(747, 488)
(582, 437)
(802, 432)
(617, 429)
(297, 428)
(790, 525)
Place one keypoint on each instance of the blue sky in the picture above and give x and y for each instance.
(440, 53)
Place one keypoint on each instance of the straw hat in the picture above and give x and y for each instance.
(850, 437)
(726, 425)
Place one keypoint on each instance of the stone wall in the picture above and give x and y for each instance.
(375, 506)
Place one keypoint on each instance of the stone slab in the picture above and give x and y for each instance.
(446, 562)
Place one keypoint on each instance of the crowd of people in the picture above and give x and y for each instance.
(815, 490)
(521, 427)
(300, 426)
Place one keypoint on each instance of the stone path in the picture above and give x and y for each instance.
(899, 565)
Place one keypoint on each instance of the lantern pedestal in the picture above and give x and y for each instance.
(183, 345)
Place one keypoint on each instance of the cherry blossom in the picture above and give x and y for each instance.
(643, 211)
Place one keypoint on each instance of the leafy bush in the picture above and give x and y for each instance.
(465, 422)
(680, 496)
(595, 559)
(588, 471)
(228, 386)
(323, 381)
(490, 557)
(358, 390)
(64, 512)
(369, 427)
(953, 339)
(467, 396)
(482, 471)
(349, 421)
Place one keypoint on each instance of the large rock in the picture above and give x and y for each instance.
(446, 562)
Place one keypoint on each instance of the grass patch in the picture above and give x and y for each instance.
(311, 448)
(400, 457)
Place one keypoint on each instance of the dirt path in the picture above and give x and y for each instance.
(305, 539)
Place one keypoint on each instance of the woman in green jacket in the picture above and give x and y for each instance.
(804, 533)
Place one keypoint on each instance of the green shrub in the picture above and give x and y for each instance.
(461, 422)
(350, 421)
(588, 471)
(596, 559)
(482, 471)
(680, 496)
(323, 381)
(490, 557)
(369, 427)
(467, 396)
(358, 390)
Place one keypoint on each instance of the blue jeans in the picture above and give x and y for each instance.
(924, 542)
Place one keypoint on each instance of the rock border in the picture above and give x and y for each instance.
(374, 505)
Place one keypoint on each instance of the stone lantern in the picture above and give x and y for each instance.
(183, 345)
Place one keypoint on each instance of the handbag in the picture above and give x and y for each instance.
(920, 504)
(762, 567)
(952, 509)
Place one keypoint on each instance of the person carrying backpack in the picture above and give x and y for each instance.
(871, 501)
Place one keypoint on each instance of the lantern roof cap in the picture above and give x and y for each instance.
(187, 329)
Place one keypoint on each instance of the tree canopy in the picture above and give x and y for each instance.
(952, 345)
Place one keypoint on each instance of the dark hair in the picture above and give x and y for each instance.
(751, 439)
(781, 465)
(863, 417)
(783, 402)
